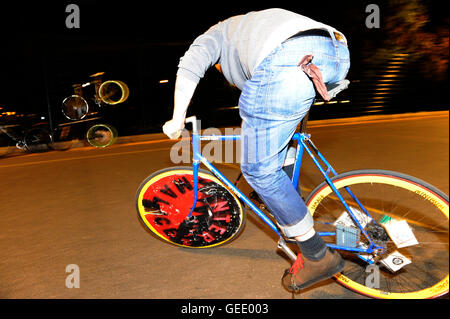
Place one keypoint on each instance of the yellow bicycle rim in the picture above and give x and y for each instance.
(436, 290)
(157, 177)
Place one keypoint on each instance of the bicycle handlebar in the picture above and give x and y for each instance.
(193, 121)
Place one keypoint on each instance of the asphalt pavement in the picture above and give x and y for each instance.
(75, 210)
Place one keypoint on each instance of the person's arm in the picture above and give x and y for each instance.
(202, 54)
(184, 90)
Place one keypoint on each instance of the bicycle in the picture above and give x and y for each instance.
(355, 212)
(39, 139)
(111, 92)
(35, 139)
(76, 107)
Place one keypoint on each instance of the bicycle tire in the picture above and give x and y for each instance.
(37, 140)
(75, 107)
(164, 199)
(423, 206)
(101, 140)
(61, 140)
(107, 95)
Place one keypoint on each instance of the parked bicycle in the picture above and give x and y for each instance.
(34, 139)
(373, 217)
(80, 105)
(76, 106)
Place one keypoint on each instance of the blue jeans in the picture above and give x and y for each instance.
(272, 104)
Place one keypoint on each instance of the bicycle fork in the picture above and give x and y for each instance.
(304, 139)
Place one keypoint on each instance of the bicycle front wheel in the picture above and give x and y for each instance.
(101, 135)
(165, 198)
(391, 195)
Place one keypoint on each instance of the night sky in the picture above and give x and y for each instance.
(140, 42)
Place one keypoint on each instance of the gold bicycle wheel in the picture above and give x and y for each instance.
(113, 92)
(101, 135)
(392, 195)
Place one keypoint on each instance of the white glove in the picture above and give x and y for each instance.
(173, 128)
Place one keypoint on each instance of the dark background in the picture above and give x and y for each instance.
(140, 43)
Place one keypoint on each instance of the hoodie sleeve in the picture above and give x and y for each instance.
(203, 53)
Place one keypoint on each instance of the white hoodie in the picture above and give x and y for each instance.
(240, 43)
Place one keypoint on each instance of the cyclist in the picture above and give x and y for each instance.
(268, 54)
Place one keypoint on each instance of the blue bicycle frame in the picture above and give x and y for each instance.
(303, 143)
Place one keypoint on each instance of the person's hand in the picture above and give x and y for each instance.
(173, 128)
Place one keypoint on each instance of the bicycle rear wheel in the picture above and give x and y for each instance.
(164, 200)
(37, 140)
(394, 195)
(61, 138)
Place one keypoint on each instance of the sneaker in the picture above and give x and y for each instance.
(305, 272)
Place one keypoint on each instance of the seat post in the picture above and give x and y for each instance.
(304, 123)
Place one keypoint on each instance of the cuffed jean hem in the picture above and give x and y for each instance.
(300, 228)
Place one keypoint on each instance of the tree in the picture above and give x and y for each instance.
(409, 29)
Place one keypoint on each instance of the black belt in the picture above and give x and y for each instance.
(318, 32)
(313, 32)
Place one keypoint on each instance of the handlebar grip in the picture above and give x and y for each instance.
(193, 121)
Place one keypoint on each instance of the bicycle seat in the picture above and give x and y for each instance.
(336, 87)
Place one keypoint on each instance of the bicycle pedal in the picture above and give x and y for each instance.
(347, 236)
